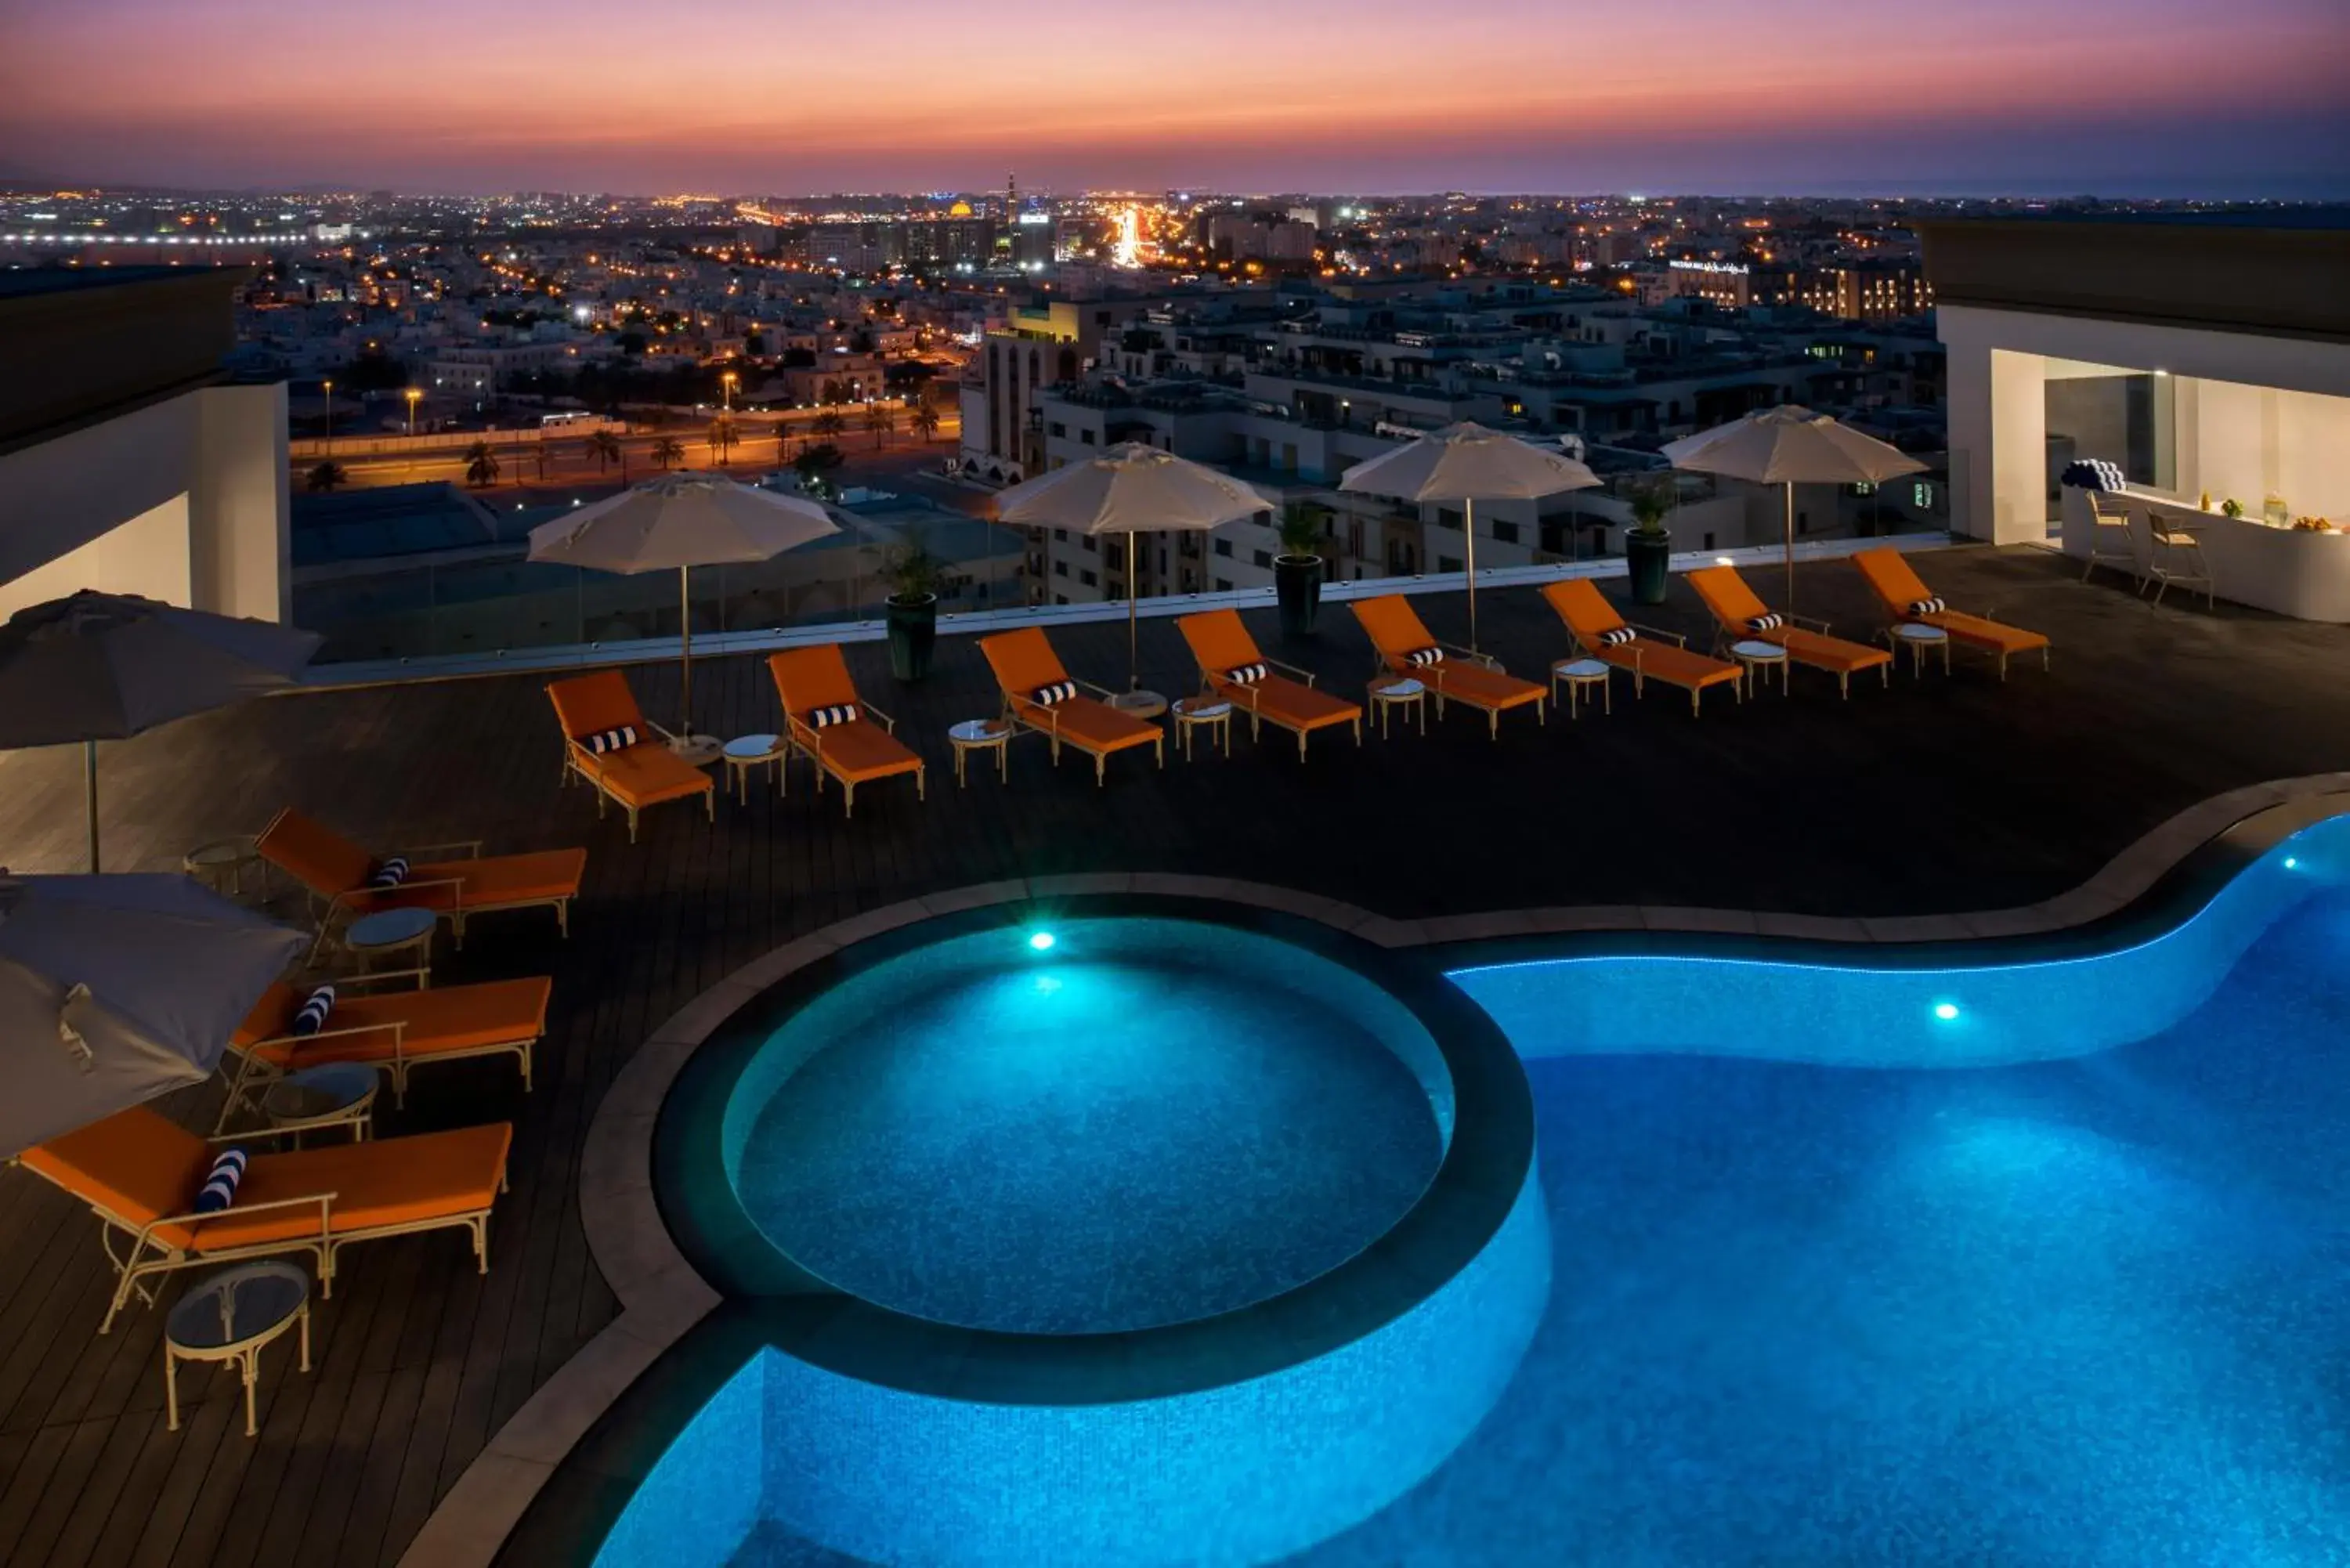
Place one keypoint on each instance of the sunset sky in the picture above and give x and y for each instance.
(2124, 97)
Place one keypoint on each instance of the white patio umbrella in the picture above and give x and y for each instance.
(675, 523)
(1467, 462)
(114, 990)
(1131, 489)
(96, 667)
(1787, 446)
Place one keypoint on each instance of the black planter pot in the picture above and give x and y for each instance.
(1649, 556)
(1297, 581)
(913, 632)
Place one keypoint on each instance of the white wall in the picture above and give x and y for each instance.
(148, 555)
(185, 501)
(2250, 443)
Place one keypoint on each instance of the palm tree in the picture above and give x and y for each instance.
(327, 475)
(481, 465)
(834, 391)
(880, 421)
(782, 442)
(925, 418)
(666, 451)
(605, 447)
(722, 438)
(828, 424)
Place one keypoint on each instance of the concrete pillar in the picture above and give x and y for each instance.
(239, 535)
(2018, 454)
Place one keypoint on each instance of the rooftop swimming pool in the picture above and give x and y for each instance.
(2031, 1263)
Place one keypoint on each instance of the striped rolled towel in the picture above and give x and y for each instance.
(311, 1016)
(1057, 693)
(218, 1190)
(838, 713)
(1247, 674)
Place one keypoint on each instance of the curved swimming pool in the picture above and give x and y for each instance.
(2037, 1263)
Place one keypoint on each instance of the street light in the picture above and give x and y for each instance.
(327, 396)
(415, 395)
(726, 389)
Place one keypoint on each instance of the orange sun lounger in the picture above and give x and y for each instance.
(1451, 672)
(1649, 652)
(1283, 695)
(336, 870)
(1736, 614)
(1025, 666)
(139, 1172)
(635, 777)
(1904, 595)
(397, 1031)
(813, 683)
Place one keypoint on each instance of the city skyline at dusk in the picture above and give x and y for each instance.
(2114, 96)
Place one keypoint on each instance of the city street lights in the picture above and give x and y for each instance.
(726, 389)
(415, 395)
(326, 395)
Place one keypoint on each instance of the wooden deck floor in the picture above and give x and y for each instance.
(1939, 795)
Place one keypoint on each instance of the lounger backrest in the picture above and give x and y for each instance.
(1391, 625)
(591, 704)
(272, 1017)
(1725, 592)
(1023, 660)
(314, 855)
(1890, 575)
(136, 1165)
(1218, 640)
(810, 678)
(1580, 604)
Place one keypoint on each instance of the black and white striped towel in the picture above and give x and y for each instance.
(838, 713)
(389, 872)
(605, 740)
(218, 1190)
(1765, 622)
(1247, 674)
(1423, 657)
(1058, 691)
(1617, 637)
(1927, 607)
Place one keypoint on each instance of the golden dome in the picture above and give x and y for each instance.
(960, 210)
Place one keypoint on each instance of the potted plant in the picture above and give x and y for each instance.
(912, 610)
(1297, 570)
(1647, 548)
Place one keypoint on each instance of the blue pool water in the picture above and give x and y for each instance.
(2038, 1265)
(1146, 1124)
(1150, 1122)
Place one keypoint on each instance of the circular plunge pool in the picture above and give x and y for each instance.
(1103, 1126)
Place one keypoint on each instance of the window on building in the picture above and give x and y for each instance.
(1709, 542)
(1087, 437)
(1058, 429)
(1505, 533)
(1060, 568)
(1060, 598)
(1447, 563)
(1447, 518)
(1091, 543)
(1264, 557)
(1223, 585)
(1223, 546)
(1089, 579)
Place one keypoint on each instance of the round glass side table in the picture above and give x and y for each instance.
(230, 1317)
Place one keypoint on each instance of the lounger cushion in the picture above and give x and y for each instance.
(1296, 705)
(444, 1019)
(393, 1181)
(314, 855)
(645, 775)
(137, 1164)
(1673, 666)
(1830, 653)
(863, 750)
(1997, 635)
(1481, 687)
(542, 875)
(1096, 726)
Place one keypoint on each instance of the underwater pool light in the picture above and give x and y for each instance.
(1948, 1012)
(2290, 862)
(1041, 941)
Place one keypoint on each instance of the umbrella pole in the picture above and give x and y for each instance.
(1790, 546)
(90, 796)
(1133, 648)
(1468, 531)
(685, 662)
